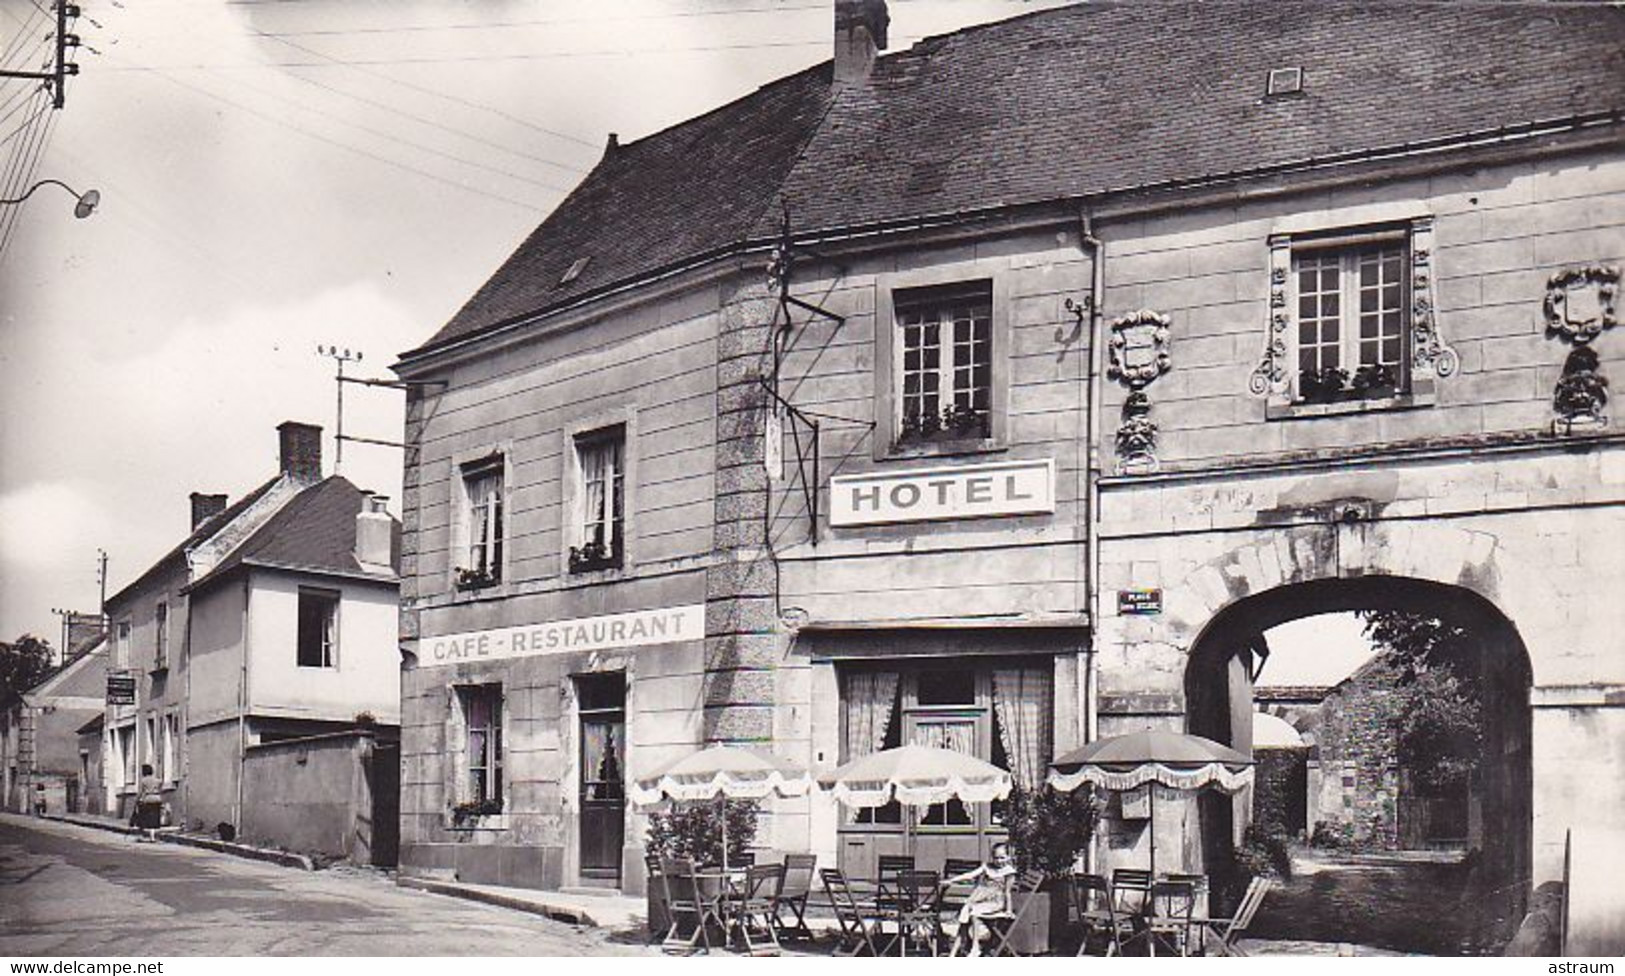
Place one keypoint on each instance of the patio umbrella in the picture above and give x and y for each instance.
(720, 773)
(1162, 760)
(916, 776)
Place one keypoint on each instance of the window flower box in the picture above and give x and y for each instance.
(593, 556)
(476, 579)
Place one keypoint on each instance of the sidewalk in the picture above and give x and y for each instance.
(174, 835)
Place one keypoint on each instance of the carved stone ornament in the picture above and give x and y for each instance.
(1139, 349)
(1137, 436)
(1429, 355)
(1580, 302)
(1270, 375)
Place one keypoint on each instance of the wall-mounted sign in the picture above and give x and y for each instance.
(976, 491)
(639, 628)
(120, 689)
(1143, 603)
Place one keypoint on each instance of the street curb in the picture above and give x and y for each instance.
(283, 858)
(559, 913)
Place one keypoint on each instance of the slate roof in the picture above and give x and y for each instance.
(314, 531)
(1073, 102)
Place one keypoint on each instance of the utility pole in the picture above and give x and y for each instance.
(339, 357)
(101, 580)
(57, 77)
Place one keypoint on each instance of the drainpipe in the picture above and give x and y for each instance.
(242, 715)
(1091, 467)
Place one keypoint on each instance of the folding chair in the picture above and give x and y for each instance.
(859, 927)
(795, 887)
(1170, 920)
(892, 864)
(1135, 884)
(1003, 925)
(953, 896)
(683, 900)
(919, 909)
(751, 908)
(1097, 912)
(1229, 930)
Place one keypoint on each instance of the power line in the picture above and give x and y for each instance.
(27, 172)
(543, 22)
(402, 141)
(488, 58)
(438, 94)
(345, 146)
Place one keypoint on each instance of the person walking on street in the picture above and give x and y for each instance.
(149, 804)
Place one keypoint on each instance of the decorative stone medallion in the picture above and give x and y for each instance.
(1139, 348)
(1580, 302)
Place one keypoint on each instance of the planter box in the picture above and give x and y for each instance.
(1033, 928)
(659, 915)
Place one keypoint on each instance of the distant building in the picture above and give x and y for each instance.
(39, 742)
(275, 619)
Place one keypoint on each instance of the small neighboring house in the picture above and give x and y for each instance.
(39, 741)
(268, 635)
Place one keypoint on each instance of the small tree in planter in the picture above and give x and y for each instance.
(694, 831)
(1048, 830)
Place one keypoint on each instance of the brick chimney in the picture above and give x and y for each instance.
(860, 35)
(301, 446)
(373, 528)
(205, 507)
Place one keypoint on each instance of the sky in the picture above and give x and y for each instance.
(282, 174)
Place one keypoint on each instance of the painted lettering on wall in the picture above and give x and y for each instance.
(636, 629)
(977, 491)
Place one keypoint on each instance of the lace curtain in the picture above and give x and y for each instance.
(954, 736)
(869, 699)
(1022, 701)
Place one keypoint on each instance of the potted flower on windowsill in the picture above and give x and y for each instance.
(475, 579)
(467, 814)
(1375, 381)
(1323, 385)
(953, 423)
(1049, 830)
(591, 556)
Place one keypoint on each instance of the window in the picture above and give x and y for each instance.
(1000, 711)
(318, 628)
(123, 742)
(170, 767)
(160, 624)
(1351, 320)
(481, 712)
(121, 644)
(944, 371)
(481, 564)
(600, 520)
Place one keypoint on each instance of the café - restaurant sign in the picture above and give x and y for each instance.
(976, 491)
(636, 629)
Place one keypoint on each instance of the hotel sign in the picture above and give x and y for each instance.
(977, 491)
(639, 628)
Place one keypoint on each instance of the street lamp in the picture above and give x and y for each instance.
(85, 206)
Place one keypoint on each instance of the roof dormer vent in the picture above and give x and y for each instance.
(1284, 81)
(573, 271)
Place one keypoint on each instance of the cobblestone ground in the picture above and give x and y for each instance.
(1401, 905)
(68, 890)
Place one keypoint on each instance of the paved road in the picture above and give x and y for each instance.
(68, 890)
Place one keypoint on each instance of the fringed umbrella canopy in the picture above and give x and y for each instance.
(916, 776)
(1175, 760)
(731, 771)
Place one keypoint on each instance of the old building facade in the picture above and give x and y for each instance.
(1063, 386)
(275, 619)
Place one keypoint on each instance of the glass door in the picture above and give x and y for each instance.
(602, 700)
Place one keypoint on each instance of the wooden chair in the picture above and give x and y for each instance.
(1003, 925)
(918, 909)
(859, 926)
(893, 864)
(683, 900)
(1131, 890)
(1097, 913)
(1170, 920)
(1228, 931)
(795, 887)
(750, 909)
